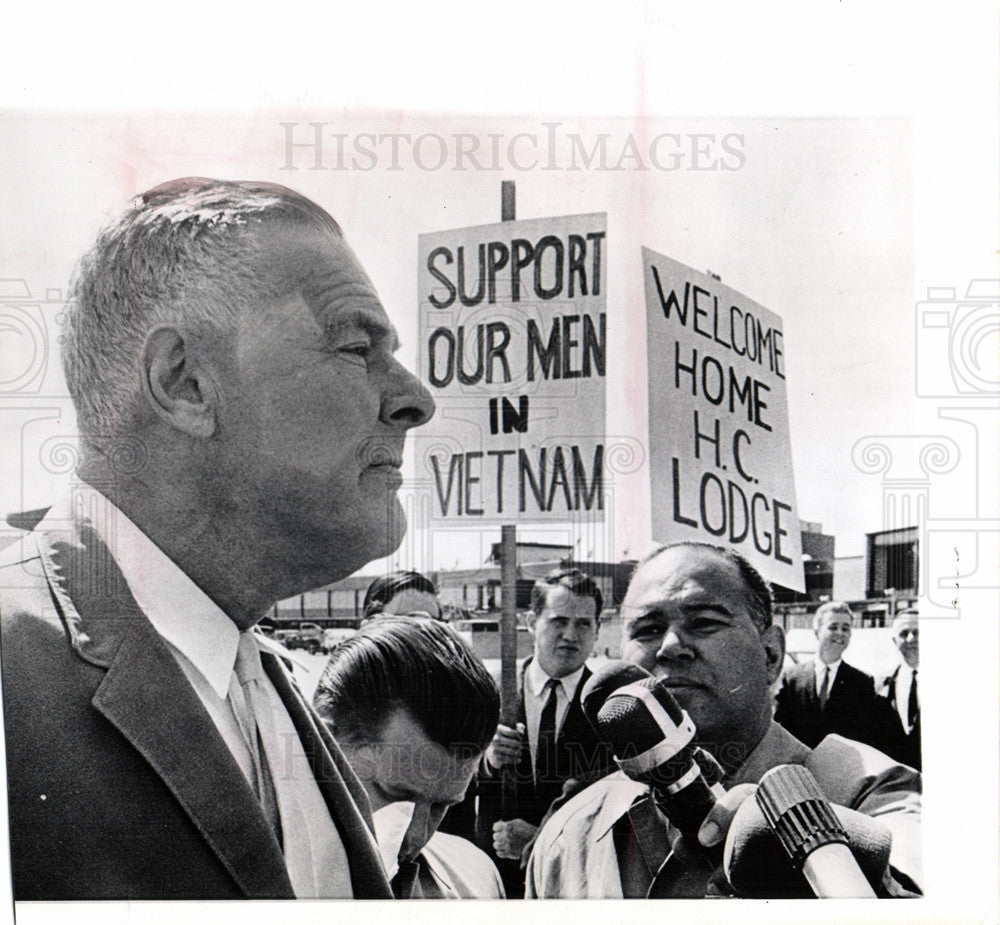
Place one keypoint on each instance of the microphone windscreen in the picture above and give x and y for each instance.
(604, 682)
(626, 721)
(757, 865)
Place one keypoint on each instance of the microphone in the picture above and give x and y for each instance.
(652, 740)
(813, 837)
(605, 681)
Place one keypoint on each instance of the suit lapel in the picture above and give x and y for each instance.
(147, 698)
(891, 687)
(807, 676)
(575, 725)
(145, 695)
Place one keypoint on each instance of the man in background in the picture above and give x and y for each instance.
(553, 741)
(698, 618)
(400, 592)
(413, 709)
(900, 687)
(242, 420)
(827, 696)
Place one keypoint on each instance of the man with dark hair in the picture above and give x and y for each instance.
(553, 742)
(242, 421)
(692, 619)
(414, 709)
(402, 591)
(826, 695)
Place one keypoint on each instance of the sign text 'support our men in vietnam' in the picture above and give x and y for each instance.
(720, 453)
(513, 346)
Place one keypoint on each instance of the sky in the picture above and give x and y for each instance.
(811, 218)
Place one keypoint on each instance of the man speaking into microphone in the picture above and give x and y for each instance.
(698, 618)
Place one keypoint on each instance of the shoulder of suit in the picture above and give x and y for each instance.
(856, 674)
(795, 673)
(843, 760)
(24, 587)
(855, 670)
(458, 852)
(889, 679)
(16, 548)
(598, 805)
(885, 683)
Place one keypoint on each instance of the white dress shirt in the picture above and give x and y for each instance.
(904, 678)
(452, 867)
(204, 640)
(535, 696)
(832, 668)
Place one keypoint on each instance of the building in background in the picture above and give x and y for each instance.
(892, 574)
(876, 585)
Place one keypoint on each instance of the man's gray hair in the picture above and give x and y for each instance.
(184, 251)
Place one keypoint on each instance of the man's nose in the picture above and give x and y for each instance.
(673, 646)
(407, 402)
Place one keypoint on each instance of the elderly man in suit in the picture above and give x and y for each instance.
(698, 618)
(242, 422)
(829, 696)
(900, 687)
(553, 742)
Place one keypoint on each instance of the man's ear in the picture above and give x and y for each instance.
(774, 651)
(530, 619)
(175, 385)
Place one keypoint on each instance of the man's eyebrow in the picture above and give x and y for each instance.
(654, 614)
(702, 606)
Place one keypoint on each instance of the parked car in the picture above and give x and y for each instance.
(308, 636)
(333, 637)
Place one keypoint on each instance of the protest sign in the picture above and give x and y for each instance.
(719, 446)
(513, 347)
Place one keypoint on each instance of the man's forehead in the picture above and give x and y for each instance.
(683, 571)
(311, 260)
(835, 616)
(429, 769)
(320, 267)
(559, 600)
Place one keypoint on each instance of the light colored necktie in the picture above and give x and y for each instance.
(253, 712)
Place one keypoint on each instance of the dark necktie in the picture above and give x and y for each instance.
(824, 692)
(912, 708)
(406, 881)
(545, 752)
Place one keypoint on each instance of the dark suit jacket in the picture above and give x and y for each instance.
(119, 785)
(908, 749)
(580, 754)
(852, 709)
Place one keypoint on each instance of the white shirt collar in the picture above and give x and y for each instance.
(178, 609)
(535, 679)
(833, 666)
